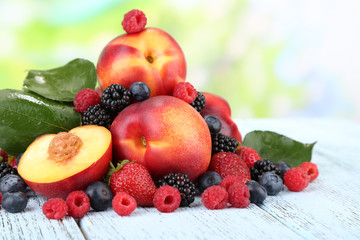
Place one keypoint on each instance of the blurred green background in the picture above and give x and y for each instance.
(267, 58)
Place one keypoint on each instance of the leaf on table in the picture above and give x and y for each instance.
(25, 116)
(62, 83)
(277, 147)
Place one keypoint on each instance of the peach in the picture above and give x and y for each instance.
(165, 134)
(56, 164)
(219, 107)
(151, 56)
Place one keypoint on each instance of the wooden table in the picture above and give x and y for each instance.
(327, 209)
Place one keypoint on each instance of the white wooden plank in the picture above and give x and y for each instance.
(32, 224)
(196, 222)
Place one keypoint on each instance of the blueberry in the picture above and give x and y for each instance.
(257, 192)
(213, 123)
(208, 179)
(272, 183)
(14, 202)
(100, 195)
(18, 158)
(12, 182)
(140, 91)
(283, 167)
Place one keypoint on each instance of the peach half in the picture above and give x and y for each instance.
(56, 164)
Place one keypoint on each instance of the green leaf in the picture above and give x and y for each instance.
(277, 147)
(62, 83)
(25, 116)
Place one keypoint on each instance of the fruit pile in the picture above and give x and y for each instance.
(146, 138)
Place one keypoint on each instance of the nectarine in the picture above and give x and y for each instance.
(56, 164)
(151, 56)
(165, 134)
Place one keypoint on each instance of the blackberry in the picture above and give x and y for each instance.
(199, 102)
(182, 182)
(6, 169)
(96, 115)
(262, 166)
(222, 143)
(115, 98)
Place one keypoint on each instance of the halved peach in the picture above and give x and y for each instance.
(56, 164)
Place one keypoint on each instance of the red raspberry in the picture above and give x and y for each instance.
(310, 169)
(185, 91)
(55, 208)
(215, 197)
(78, 204)
(167, 199)
(85, 98)
(296, 179)
(134, 21)
(123, 204)
(248, 155)
(0, 198)
(239, 195)
(230, 180)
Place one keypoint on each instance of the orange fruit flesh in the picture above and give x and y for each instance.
(36, 166)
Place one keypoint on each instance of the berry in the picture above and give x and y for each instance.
(139, 91)
(213, 123)
(12, 183)
(85, 98)
(6, 169)
(310, 169)
(123, 204)
(239, 195)
(199, 102)
(134, 21)
(167, 199)
(296, 179)
(185, 91)
(248, 155)
(0, 198)
(96, 115)
(78, 204)
(282, 167)
(100, 195)
(230, 180)
(14, 202)
(115, 98)
(257, 192)
(13, 162)
(3, 156)
(182, 182)
(262, 166)
(208, 179)
(227, 164)
(134, 179)
(55, 208)
(215, 197)
(222, 143)
(271, 182)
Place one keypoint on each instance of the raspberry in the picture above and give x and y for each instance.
(248, 155)
(86, 98)
(134, 21)
(239, 195)
(310, 169)
(230, 180)
(78, 204)
(185, 91)
(215, 197)
(0, 198)
(123, 204)
(55, 208)
(296, 179)
(167, 199)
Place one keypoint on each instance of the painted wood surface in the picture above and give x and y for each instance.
(327, 209)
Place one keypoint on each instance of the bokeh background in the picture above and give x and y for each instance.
(279, 58)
